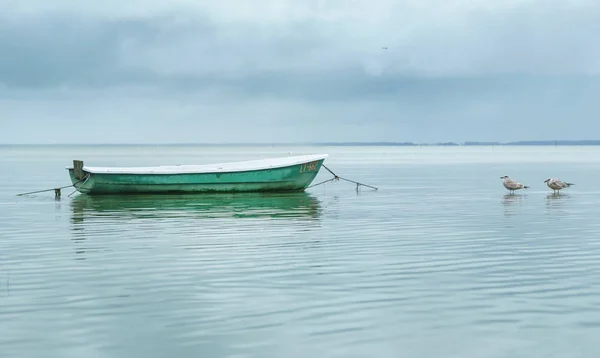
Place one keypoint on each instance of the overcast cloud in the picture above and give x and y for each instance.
(310, 70)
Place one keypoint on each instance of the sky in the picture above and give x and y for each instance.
(233, 71)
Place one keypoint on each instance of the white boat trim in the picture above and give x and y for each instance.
(242, 166)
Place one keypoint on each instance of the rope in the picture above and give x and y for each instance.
(337, 177)
(323, 182)
(55, 189)
(82, 184)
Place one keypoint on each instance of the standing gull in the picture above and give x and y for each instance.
(557, 184)
(512, 185)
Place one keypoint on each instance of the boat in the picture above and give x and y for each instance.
(284, 174)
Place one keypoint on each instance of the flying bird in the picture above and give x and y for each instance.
(512, 185)
(385, 48)
(556, 184)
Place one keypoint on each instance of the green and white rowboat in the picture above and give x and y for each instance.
(264, 175)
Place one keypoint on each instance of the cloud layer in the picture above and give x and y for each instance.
(452, 70)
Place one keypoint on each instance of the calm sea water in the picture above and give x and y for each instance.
(439, 262)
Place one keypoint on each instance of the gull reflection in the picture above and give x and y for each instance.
(510, 203)
(511, 199)
(556, 200)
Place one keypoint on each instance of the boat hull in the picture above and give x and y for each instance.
(280, 179)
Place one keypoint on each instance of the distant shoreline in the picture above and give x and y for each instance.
(321, 144)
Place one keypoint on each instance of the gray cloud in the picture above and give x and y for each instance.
(457, 62)
(194, 49)
(62, 50)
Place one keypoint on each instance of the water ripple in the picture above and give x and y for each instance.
(413, 269)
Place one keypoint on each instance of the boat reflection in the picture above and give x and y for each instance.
(242, 205)
(96, 220)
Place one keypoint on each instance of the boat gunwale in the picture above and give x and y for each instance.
(205, 168)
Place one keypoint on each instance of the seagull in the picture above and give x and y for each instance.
(512, 185)
(557, 184)
(385, 48)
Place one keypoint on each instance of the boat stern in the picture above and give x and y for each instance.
(81, 180)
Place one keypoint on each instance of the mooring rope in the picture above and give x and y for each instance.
(57, 190)
(323, 182)
(82, 184)
(337, 177)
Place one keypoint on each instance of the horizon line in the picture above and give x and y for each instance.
(335, 143)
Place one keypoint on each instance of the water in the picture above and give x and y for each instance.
(439, 262)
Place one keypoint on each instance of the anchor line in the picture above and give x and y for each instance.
(323, 182)
(337, 177)
(57, 189)
(82, 184)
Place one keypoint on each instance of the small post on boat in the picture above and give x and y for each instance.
(78, 169)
